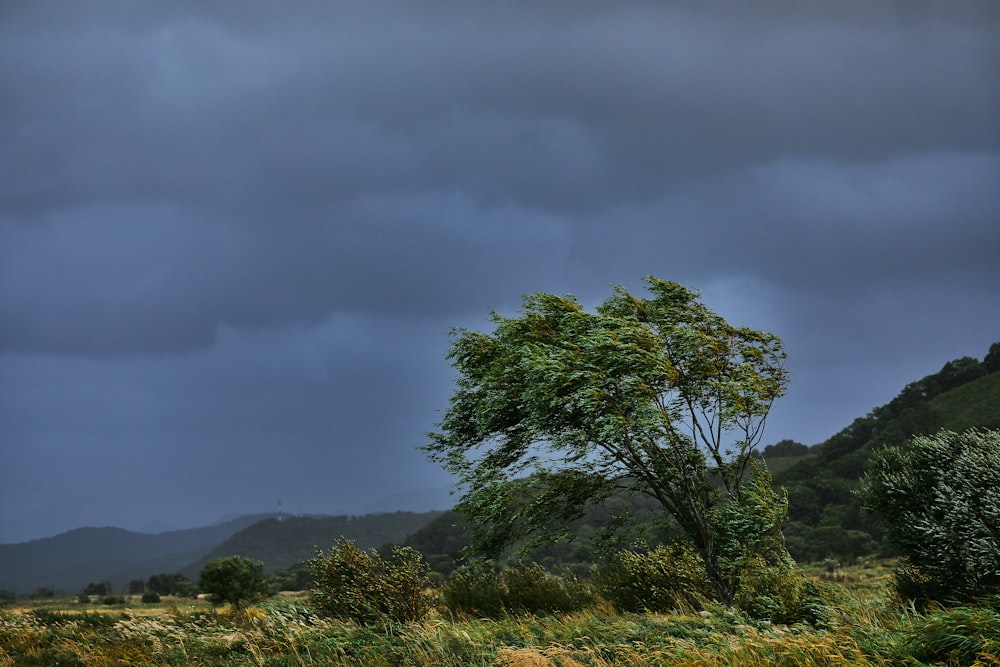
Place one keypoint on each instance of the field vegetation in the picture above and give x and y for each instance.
(859, 622)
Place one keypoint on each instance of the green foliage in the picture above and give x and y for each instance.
(99, 588)
(112, 600)
(479, 589)
(233, 580)
(150, 597)
(41, 593)
(7, 597)
(558, 407)
(991, 362)
(354, 584)
(964, 394)
(175, 584)
(298, 578)
(940, 499)
(777, 592)
(668, 578)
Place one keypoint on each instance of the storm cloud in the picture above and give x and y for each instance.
(234, 236)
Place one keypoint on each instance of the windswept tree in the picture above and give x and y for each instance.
(559, 407)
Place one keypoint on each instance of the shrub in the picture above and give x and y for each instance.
(7, 597)
(112, 599)
(474, 589)
(940, 500)
(478, 589)
(667, 578)
(354, 584)
(150, 597)
(776, 592)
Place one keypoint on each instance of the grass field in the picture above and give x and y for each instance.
(862, 625)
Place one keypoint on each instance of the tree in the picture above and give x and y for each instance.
(991, 362)
(170, 584)
(559, 407)
(234, 580)
(939, 497)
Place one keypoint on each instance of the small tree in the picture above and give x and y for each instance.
(940, 499)
(234, 580)
(559, 407)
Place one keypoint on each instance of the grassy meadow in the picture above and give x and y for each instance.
(862, 625)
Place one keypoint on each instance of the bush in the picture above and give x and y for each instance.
(112, 600)
(478, 589)
(234, 580)
(7, 597)
(474, 589)
(353, 584)
(940, 500)
(150, 597)
(776, 592)
(667, 578)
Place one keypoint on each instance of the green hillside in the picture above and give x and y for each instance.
(280, 544)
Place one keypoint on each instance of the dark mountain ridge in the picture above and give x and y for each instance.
(70, 560)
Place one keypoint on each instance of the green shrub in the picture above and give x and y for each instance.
(776, 592)
(354, 584)
(112, 599)
(667, 578)
(150, 597)
(474, 589)
(939, 497)
(478, 589)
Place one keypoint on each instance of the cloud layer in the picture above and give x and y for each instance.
(233, 237)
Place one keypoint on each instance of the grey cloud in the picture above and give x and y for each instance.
(244, 227)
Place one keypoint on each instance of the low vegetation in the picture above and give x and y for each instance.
(862, 623)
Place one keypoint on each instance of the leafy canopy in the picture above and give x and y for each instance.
(940, 499)
(234, 580)
(558, 407)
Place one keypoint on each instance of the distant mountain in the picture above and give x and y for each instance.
(280, 544)
(71, 560)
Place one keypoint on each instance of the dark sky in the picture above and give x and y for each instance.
(234, 235)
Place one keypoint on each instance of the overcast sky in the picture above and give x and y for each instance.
(234, 235)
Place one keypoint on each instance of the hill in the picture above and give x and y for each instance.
(69, 561)
(280, 544)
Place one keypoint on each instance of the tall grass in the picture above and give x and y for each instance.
(866, 629)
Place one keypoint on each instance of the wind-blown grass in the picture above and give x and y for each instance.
(859, 630)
